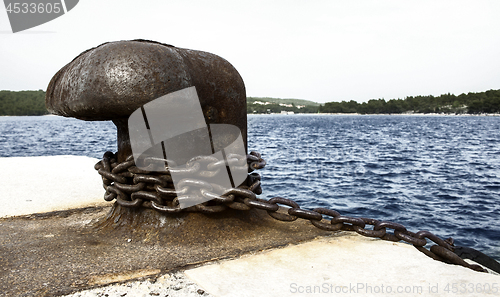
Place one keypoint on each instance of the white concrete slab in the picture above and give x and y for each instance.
(349, 265)
(44, 184)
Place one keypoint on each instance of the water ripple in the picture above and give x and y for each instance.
(440, 174)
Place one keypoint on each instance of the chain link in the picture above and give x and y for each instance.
(134, 187)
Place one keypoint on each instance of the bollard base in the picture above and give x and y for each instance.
(230, 227)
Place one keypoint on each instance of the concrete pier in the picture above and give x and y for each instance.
(52, 245)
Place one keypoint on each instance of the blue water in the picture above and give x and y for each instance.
(434, 173)
(54, 135)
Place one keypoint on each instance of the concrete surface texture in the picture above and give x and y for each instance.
(45, 184)
(69, 251)
(172, 285)
(349, 265)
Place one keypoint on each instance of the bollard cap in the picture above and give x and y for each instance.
(112, 80)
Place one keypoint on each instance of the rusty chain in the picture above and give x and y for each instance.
(134, 187)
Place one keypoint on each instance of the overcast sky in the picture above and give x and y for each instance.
(315, 50)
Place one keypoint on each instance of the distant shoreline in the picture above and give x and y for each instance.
(335, 114)
(386, 114)
(26, 115)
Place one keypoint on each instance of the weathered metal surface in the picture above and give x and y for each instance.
(112, 80)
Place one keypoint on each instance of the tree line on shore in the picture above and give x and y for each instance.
(22, 103)
(471, 103)
(33, 103)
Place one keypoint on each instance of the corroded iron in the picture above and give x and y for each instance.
(114, 79)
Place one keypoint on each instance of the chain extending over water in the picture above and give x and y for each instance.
(134, 187)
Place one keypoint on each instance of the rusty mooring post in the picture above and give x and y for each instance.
(110, 82)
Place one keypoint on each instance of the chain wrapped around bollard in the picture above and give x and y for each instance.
(134, 187)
